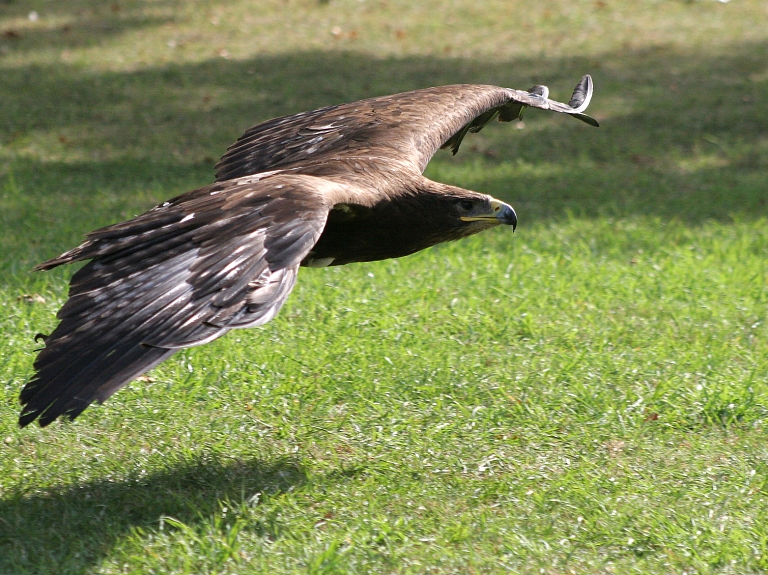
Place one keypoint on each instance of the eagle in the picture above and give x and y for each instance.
(329, 187)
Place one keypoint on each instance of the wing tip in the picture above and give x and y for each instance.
(45, 412)
(587, 119)
(70, 256)
(50, 264)
(538, 97)
(27, 417)
(580, 99)
(582, 94)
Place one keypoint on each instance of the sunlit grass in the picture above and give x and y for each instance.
(564, 398)
(586, 395)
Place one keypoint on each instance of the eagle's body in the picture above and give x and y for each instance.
(337, 185)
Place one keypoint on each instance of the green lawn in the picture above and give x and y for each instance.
(588, 395)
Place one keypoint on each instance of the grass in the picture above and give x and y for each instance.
(586, 396)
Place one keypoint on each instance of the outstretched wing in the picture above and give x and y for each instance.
(410, 126)
(180, 275)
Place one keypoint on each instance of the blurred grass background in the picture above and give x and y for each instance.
(586, 396)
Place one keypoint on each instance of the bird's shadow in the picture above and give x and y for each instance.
(71, 529)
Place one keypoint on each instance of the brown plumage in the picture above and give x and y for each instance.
(337, 185)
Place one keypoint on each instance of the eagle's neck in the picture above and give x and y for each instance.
(405, 222)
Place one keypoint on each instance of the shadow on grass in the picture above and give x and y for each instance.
(72, 529)
(83, 23)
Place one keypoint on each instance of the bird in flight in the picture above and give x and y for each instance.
(333, 186)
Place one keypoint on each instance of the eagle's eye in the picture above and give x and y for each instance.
(466, 205)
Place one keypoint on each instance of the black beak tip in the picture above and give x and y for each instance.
(510, 217)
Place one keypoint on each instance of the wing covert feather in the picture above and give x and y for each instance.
(410, 126)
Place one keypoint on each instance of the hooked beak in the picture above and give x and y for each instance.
(505, 214)
(500, 212)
